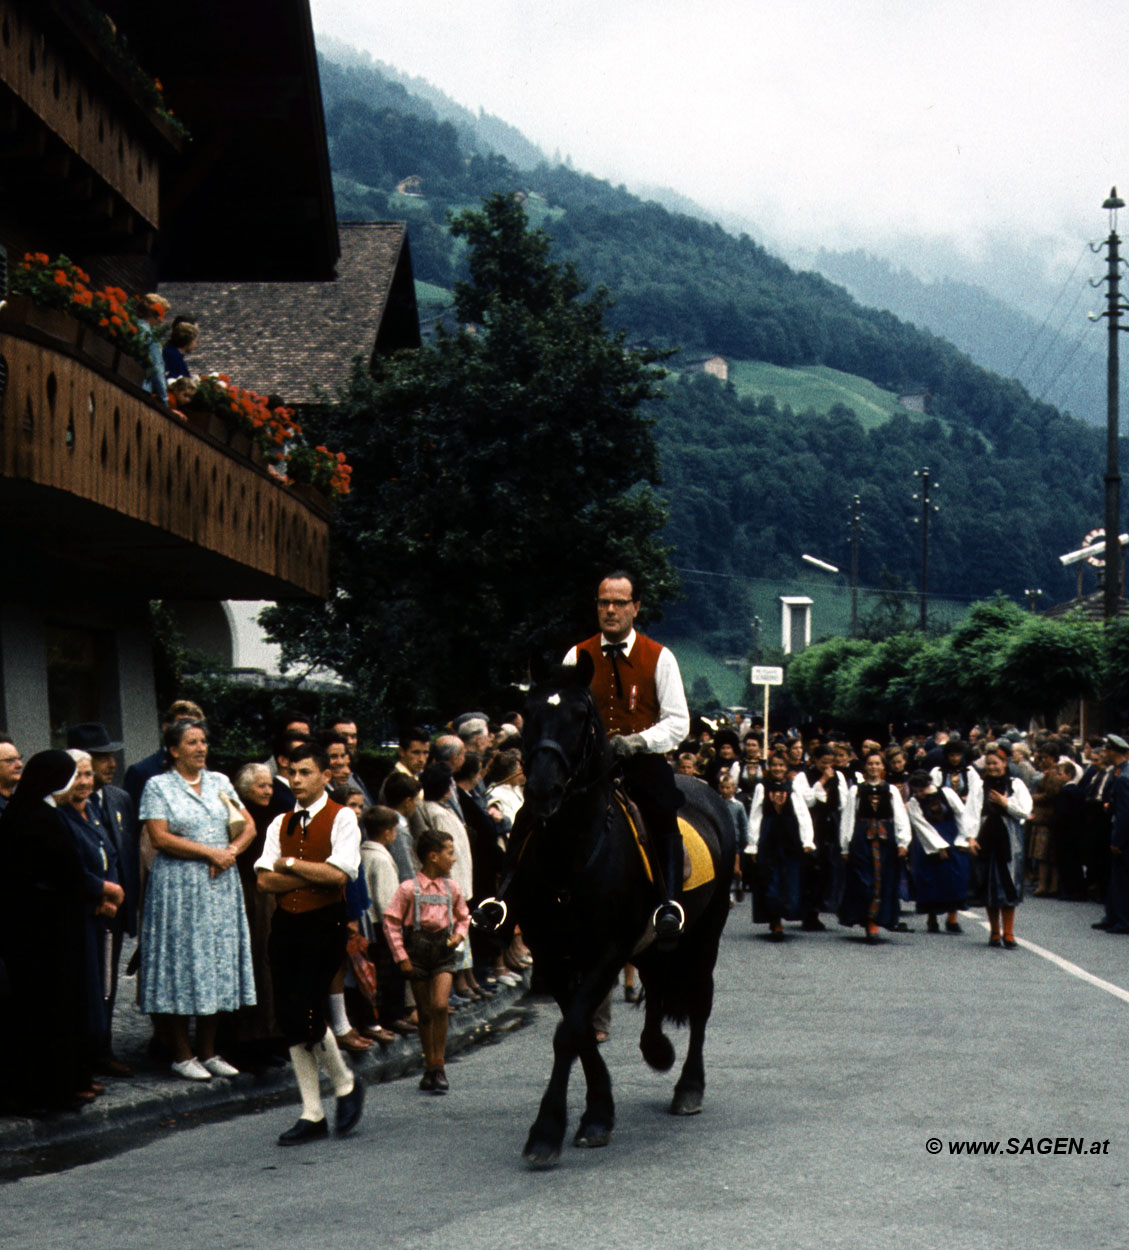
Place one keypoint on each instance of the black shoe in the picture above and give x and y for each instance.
(349, 1107)
(951, 926)
(813, 924)
(776, 935)
(931, 925)
(439, 1082)
(669, 921)
(1010, 943)
(427, 1081)
(994, 941)
(304, 1131)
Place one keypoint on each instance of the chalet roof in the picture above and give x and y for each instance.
(299, 339)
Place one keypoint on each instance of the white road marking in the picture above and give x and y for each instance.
(1058, 961)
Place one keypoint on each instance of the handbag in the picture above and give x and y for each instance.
(235, 818)
(364, 971)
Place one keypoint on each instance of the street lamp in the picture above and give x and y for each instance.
(1114, 308)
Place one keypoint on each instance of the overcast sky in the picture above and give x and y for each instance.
(860, 123)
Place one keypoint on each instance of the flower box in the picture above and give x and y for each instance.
(129, 368)
(311, 494)
(97, 349)
(20, 310)
(207, 422)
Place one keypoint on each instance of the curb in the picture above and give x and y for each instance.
(135, 1110)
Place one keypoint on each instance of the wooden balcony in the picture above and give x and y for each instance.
(101, 486)
(72, 137)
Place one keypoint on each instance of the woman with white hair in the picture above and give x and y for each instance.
(195, 941)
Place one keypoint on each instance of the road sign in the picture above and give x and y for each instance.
(764, 675)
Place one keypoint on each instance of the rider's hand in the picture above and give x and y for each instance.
(631, 744)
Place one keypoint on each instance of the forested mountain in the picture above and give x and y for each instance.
(751, 484)
(1060, 357)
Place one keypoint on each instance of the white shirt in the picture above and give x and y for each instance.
(931, 841)
(381, 876)
(344, 839)
(673, 724)
(901, 820)
(973, 803)
(803, 819)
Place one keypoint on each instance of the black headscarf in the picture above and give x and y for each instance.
(46, 773)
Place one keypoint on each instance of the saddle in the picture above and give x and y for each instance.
(697, 863)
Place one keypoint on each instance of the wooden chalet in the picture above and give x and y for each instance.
(299, 339)
(107, 499)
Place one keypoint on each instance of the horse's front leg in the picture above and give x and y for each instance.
(574, 1037)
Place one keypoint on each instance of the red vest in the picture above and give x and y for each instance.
(315, 847)
(638, 707)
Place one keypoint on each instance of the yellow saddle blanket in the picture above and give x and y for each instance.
(697, 863)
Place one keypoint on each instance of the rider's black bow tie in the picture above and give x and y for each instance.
(616, 651)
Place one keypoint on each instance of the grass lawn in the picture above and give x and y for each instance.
(817, 388)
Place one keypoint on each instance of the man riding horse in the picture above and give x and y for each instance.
(638, 689)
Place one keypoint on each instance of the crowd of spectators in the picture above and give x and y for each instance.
(169, 857)
(823, 824)
(1056, 790)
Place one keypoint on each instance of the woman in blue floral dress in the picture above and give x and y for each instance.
(195, 943)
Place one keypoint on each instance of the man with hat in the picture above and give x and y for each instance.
(114, 808)
(1116, 918)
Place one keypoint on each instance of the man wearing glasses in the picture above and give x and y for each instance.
(638, 689)
(11, 769)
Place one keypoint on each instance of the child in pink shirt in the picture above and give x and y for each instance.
(425, 922)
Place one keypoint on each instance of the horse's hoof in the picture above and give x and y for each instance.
(592, 1137)
(541, 1155)
(686, 1102)
(658, 1051)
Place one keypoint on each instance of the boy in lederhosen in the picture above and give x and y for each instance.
(426, 921)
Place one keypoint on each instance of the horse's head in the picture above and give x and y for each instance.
(563, 735)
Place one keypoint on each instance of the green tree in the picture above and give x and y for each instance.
(498, 472)
(1046, 664)
(813, 675)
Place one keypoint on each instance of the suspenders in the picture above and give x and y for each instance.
(445, 897)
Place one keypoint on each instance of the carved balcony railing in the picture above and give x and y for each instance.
(70, 131)
(97, 476)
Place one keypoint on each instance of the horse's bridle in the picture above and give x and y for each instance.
(589, 754)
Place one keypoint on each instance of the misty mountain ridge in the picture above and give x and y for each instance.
(750, 481)
(975, 303)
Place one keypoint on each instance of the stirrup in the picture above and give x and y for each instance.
(490, 914)
(662, 924)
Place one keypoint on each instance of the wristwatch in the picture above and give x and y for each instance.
(289, 861)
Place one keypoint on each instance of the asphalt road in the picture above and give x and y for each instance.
(830, 1065)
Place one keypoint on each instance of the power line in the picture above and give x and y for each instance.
(1054, 304)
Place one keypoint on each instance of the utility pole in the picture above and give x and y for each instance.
(856, 517)
(1114, 309)
(923, 521)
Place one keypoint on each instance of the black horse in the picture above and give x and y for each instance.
(581, 893)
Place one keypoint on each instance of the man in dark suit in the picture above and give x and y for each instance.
(115, 808)
(1117, 895)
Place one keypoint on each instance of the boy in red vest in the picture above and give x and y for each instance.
(638, 689)
(309, 855)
